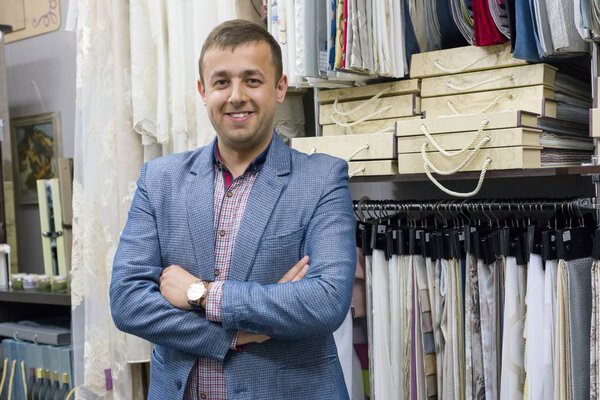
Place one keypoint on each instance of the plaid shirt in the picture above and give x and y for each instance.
(207, 379)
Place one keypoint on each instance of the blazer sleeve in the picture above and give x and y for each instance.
(136, 304)
(316, 305)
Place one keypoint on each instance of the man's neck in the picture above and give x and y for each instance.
(237, 161)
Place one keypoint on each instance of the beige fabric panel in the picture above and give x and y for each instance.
(381, 108)
(527, 98)
(459, 140)
(408, 86)
(462, 123)
(381, 146)
(465, 59)
(382, 125)
(372, 168)
(525, 75)
(502, 158)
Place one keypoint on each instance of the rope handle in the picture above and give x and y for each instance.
(362, 119)
(484, 168)
(313, 150)
(365, 103)
(365, 147)
(358, 171)
(348, 130)
(24, 379)
(448, 70)
(11, 379)
(3, 379)
(71, 393)
(439, 148)
(492, 104)
(477, 84)
(460, 166)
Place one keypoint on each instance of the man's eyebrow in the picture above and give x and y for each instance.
(219, 74)
(248, 72)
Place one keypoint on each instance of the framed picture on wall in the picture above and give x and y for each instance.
(36, 145)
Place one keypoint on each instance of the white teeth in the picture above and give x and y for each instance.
(239, 115)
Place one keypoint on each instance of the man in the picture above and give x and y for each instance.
(202, 266)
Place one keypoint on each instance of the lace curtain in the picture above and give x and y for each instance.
(136, 100)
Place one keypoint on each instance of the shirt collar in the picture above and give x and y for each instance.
(254, 165)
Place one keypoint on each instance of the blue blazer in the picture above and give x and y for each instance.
(299, 205)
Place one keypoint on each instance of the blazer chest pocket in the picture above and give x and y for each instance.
(277, 254)
(286, 239)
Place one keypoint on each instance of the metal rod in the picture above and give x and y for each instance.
(581, 204)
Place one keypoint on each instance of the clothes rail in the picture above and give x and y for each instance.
(582, 204)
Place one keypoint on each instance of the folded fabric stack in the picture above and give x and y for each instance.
(358, 125)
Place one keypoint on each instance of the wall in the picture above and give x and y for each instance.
(48, 61)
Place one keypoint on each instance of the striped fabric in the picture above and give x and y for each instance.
(207, 379)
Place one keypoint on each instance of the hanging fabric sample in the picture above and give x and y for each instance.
(550, 310)
(499, 14)
(595, 321)
(513, 373)
(565, 37)
(484, 26)
(534, 327)
(474, 373)
(378, 291)
(525, 45)
(574, 246)
(463, 18)
(450, 35)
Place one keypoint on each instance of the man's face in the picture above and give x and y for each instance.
(241, 94)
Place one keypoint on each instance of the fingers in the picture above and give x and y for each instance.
(301, 274)
(296, 270)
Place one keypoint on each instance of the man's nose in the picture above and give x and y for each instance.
(238, 93)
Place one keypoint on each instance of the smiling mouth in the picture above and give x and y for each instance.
(239, 115)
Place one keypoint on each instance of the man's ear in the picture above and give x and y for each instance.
(201, 90)
(282, 86)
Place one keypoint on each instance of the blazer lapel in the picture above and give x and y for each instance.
(200, 203)
(267, 188)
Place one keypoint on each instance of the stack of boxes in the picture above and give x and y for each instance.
(464, 109)
(358, 125)
(481, 109)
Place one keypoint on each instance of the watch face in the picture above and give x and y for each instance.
(196, 291)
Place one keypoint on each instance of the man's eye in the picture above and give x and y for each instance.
(220, 83)
(253, 82)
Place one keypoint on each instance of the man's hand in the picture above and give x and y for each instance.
(174, 282)
(296, 273)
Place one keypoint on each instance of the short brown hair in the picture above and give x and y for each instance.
(231, 34)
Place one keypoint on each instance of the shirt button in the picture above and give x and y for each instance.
(203, 395)
(217, 272)
(222, 232)
(229, 194)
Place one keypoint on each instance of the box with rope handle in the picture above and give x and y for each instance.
(352, 110)
(367, 154)
(462, 59)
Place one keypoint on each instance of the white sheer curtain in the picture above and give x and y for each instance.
(136, 99)
(166, 39)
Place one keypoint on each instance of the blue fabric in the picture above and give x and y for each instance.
(410, 39)
(299, 205)
(451, 36)
(526, 47)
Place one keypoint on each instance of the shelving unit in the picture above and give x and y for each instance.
(46, 298)
(507, 173)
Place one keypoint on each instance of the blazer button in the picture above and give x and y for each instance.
(178, 384)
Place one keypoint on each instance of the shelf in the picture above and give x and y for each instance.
(20, 296)
(506, 173)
